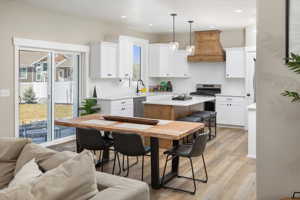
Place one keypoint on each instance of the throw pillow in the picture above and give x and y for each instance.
(75, 179)
(26, 174)
(55, 160)
(31, 151)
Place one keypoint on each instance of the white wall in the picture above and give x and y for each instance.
(250, 34)
(111, 87)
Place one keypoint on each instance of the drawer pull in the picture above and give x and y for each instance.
(123, 109)
(123, 102)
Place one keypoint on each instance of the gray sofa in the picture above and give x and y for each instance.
(110, 187)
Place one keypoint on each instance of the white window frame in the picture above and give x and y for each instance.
(38, 71)
(26, 72)
(144, 44)
(39, 45)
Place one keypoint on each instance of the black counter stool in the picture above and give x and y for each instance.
(130, 145)
(210, 119)
(189, 151)
(92, 140)
(190, 118)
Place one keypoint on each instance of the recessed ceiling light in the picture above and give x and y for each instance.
(123, 16)
(150, 24)
(238, 11)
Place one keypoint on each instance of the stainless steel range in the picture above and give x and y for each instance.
(207, 90)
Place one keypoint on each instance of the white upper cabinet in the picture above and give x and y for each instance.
(179, 64)
(159, 55)
(125, 57)
(104, 60)
(235, 63)
(163, 62)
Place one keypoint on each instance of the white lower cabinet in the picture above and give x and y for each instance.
(122, 107)
(231, 110)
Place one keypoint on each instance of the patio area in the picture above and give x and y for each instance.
(33, 122)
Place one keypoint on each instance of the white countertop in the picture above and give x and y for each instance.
(131, 96)
(195, 100)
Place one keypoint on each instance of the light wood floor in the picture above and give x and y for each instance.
(231, 174)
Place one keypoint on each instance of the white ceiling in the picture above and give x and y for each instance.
(141, 13)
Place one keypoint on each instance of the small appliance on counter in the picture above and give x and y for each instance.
(182, 97)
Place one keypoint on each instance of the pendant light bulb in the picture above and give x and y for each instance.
(190, 49)
(174, 45)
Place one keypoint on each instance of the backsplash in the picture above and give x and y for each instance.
(207, 73)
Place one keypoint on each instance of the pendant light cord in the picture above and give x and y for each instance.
(190, 34)
(173, 28)
(190, 22)
(173, 15)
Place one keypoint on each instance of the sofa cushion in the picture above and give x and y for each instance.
(56, 159)
(26, 174)
(31, 151)
(16, 193)
(73, 180)
(116, 188)
(10, 150)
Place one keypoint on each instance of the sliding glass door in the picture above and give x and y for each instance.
(48, 90)
(65, 91)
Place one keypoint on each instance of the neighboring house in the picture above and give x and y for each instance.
(34, 68)
(34, 73)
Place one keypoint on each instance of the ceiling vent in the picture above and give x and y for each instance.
(208, 47)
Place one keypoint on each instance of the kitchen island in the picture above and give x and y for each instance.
(168, 109)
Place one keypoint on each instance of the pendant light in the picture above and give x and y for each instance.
(190, 48)
(174, 45)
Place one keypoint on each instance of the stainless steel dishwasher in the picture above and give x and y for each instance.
(138, 106)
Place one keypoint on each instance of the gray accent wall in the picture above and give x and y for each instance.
(278, 120)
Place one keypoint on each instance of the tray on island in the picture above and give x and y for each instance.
(136, 120)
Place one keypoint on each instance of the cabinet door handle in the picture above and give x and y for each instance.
(126, 74)
(109, 74)
(123, 109)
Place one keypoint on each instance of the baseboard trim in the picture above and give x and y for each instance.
(230, 126)
(59, 141)
(251, 156)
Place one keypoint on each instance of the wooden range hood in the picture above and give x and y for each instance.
(208, 47)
